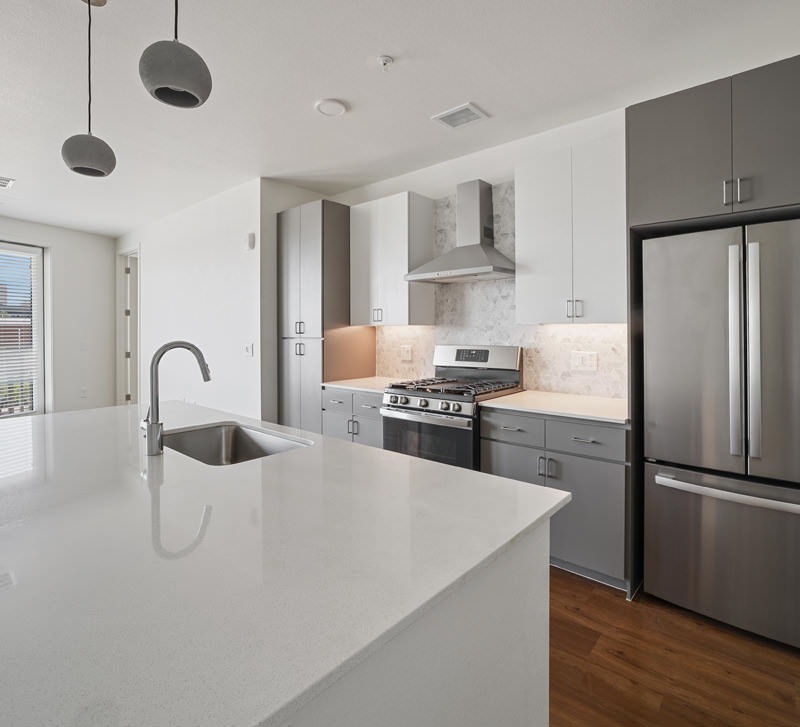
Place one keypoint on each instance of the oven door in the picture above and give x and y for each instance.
(438, 437)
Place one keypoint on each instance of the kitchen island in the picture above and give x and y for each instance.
(334, 584)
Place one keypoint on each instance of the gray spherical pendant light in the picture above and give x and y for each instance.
(174, 73)
(84, 153)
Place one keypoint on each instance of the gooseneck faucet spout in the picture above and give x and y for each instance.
(153, 427)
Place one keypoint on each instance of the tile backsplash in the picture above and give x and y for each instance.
(483, 313)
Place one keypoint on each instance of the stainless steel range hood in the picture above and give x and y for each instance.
(474, 257)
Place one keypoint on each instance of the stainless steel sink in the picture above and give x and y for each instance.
(228, 442)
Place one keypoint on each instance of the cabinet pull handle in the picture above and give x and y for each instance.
(551, 469)
(725, 183)
(380, 314)
(578, 302)
(540, 470)
(296, 349)
(569, 309)
(585, 441)
(302, 325)
(302, 348)
(349, 426)
(297, 326)
(739, 197)
(368, 406)
(355, 426)
(374, 315)
(336, 401)
(510, 429)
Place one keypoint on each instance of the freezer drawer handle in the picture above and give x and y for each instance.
(585, 441)
(737, 497)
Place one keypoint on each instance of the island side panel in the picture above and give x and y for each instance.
(477, 657)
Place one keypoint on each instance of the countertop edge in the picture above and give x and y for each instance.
(279, 717)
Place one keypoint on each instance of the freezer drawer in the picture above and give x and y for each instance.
(724, 548)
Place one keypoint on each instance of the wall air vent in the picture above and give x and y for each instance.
(6, 182)
(463, 115)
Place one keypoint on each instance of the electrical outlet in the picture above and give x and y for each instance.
(406, 353)
(248, 350)
(583, 360)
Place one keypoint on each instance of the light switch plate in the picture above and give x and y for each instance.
(583, 360)
(406, 353)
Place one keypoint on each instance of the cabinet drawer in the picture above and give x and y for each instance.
(590, 440)
(334, 399)
(367, 405)
(513, 428)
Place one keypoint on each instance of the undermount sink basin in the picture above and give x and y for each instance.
(228, 442)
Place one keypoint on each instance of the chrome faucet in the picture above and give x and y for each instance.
(151, 424)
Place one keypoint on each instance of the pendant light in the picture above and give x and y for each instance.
(83, 153)
(174, 73)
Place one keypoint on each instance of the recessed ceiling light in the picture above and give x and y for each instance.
(6, 182)
(331, 106)
(467, 113)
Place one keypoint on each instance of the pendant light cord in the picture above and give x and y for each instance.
(90, 66)
(176, 19)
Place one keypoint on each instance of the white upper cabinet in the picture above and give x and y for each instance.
(570, 234)
(389, 237)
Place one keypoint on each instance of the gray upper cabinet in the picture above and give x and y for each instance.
(766, 143)
(679, 155)
(313, 269)
(726, 146)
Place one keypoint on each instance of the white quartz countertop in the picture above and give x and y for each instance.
(372, 383)
(597, 408)
(201, 595)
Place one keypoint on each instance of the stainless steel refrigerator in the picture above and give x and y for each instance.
(721, 336)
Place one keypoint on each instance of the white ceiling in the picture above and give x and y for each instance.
(531, 64)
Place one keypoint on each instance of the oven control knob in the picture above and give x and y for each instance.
(456, 407)
(444, 405)
(393, 399)
(404, 400)
(423, 402)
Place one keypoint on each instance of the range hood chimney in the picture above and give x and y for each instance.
(474, 257)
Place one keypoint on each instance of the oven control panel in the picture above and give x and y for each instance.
(472, 355)
(402, 401)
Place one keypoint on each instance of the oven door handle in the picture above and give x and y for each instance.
(441, 420)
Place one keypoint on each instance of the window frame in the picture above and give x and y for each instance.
(37, 321)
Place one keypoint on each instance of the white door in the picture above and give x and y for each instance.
(598, 230)
(543, 191)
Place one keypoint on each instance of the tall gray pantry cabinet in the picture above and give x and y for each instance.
(313, 300)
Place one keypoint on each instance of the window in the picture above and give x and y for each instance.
(21, 349)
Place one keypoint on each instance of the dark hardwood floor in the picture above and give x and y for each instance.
(614, 663)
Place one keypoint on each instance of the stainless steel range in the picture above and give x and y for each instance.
(437, 418)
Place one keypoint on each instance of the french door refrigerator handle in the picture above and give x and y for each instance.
(734, 349)
(728, 496)
(754, 347)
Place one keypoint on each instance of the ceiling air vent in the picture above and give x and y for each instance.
(6, 182)
(467, 113)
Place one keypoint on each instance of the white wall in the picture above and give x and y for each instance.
(200, 282)
(79, 313)
(493, 165)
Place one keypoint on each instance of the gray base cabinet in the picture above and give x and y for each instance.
(585, 459)
(352, 415)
